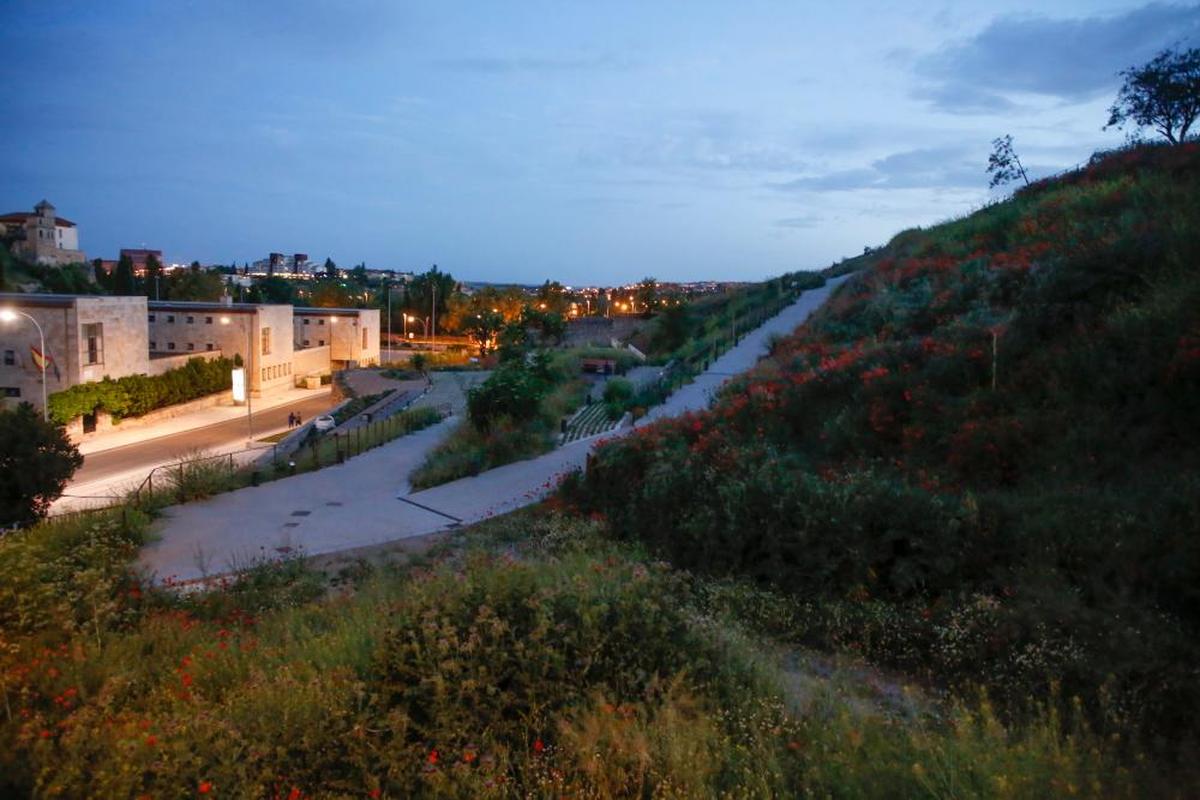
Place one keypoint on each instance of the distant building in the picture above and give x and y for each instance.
(42, 236)
(140, 256)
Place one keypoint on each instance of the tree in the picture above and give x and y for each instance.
(647, 294)
(123, 280)
(331, 270)
(36, 461)
(483, 329)
(195, 284)
(1003, 164)
(1163, 94)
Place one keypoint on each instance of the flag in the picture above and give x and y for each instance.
(43, 361)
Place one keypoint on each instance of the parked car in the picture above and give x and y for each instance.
(324, 423)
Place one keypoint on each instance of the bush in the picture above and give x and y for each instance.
(36, 461)
(135, 395)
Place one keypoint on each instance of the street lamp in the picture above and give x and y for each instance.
(10, 315)
(249, 373)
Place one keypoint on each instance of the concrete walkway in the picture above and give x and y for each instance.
(366, 501)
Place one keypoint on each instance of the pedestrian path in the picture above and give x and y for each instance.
(367, 501)
(590, 420)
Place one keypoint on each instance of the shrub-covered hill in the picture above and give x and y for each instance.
(980, 461)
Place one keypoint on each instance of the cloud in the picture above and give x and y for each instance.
(503, 65)
(931, 168)
(699, 151)
(799, 223)
(1072, 60)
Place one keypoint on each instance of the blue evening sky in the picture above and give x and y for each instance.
(593, 142)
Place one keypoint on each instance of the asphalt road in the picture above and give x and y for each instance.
(221, 437)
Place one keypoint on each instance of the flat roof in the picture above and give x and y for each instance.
(202, 305)
(337, 312)
(53, 300)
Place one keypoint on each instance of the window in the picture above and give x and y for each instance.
(321, 321)
(12, 391)
(208, 321)
(305, 344)
(320, 342)
(153, 345)
(93, 335)
(10, 358)
(364, 338)
(208, 346)
(191, 346)
(307, 320)
(170, 317)
(190, 319)
(170, 345)
(152, 318)
(266, 341)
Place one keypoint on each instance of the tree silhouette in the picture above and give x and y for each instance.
(1003, 164)
(1163, 94)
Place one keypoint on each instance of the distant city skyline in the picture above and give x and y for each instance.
(593, 144)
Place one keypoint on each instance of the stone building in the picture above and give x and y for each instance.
(87, 337)
(42, 236)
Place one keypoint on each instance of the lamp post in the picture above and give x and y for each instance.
(389, 313)
(249, 373)
(10, 315)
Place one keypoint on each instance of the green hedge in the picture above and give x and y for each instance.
(135, 395)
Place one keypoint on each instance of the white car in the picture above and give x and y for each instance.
(325, 423)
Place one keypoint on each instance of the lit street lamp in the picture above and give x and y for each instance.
(10, 315)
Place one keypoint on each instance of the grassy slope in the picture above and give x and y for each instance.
(1029, 522)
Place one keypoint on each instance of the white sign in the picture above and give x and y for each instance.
(239, 385)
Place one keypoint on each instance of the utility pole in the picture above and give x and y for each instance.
(433, 318)
(388, 287)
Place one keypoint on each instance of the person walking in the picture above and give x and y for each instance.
(291, 420)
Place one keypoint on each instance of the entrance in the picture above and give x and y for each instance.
(89, 423)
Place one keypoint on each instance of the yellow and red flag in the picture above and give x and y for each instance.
(44, 361)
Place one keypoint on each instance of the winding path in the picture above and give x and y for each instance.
(365, 501)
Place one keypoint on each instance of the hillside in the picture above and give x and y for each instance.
(979, 463)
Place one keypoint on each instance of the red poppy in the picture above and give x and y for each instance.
(205, 787)
(538, 746)
(433, 757)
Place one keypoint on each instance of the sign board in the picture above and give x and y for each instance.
(239, 385)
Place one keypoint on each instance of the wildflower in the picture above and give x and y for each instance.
(375, 793)
(538, 747)
(205, 787)
(151, 740)
(295, 794)
(432, 758)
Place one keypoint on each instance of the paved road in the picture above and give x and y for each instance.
(367, 501)
(220, 437)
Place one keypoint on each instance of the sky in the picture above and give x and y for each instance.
(591, 143)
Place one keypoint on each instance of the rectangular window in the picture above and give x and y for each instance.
(307, 320)
(153, 345)
(10, 358)
(364, 338)
(208, 320)
(12, 391)
(191, 346)
(93, 335)
(266, 341)
(170, 345)
(321, 321)
(208, 346)
(152, 318)
(191, 319)
(170, 317)
(305, 343)
(320, 342)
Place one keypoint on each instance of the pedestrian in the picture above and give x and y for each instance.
(291, 420)
(298, 421)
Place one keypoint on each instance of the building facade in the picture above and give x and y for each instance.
(91, 337)
(86, 338)
(42, 237)
(352, 334)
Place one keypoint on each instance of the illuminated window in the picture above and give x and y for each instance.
(266, 341)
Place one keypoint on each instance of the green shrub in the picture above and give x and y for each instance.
(135, 395)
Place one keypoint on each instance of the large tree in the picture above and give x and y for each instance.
(123, 279)
(1163, 94)
(36, 461)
